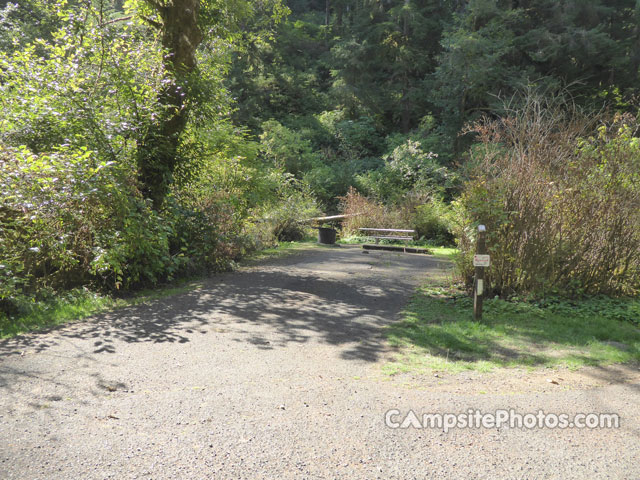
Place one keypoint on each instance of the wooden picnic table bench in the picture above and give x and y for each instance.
(375, 234)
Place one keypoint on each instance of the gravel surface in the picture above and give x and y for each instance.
(274, 372)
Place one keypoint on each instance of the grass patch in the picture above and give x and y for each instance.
(57, 309)
(358, 239)
(438, 333)
(81, 303)
(283, 249)
(77, 304)
(353, 240)
(444, 253)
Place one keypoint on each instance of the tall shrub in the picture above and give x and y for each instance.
(362, 212)
(68, 218)
(560, 196)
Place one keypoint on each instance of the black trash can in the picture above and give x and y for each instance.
(326, 236)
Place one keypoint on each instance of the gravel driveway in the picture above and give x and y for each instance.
(274, 372)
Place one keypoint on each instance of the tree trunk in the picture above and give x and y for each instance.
(635, 52)
(327, 12)
(406, 109)
(157, 152)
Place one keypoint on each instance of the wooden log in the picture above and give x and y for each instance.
(332, 217)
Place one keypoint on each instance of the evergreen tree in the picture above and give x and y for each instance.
(493, 48)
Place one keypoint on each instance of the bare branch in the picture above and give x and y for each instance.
(152, 22)
(121, 19)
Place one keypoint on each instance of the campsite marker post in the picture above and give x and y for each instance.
(481, 260)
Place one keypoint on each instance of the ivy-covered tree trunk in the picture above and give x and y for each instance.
(158, 150)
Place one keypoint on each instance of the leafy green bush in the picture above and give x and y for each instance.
(407, 169)
(90, 84)
(68, 219)
(350, 139)
(208, 233)
(433, 221)
(329, 181)
(358, 138)
(284, 219)
(230, 201)
(286, 148)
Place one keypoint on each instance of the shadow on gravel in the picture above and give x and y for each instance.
(614, 374)
(266, 307)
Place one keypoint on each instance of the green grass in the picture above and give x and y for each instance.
(358, 239)
(81, 303)
(72, 305)
(445, 253)
(353, 239)
(438, 333)
(283, 249)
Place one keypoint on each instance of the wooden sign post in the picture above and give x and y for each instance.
(481, 260)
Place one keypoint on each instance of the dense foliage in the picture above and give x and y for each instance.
(561, 204)
(80, 99)
(144, 139)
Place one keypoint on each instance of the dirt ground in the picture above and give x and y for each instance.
(274, 372)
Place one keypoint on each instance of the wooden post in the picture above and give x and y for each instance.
(479, 283)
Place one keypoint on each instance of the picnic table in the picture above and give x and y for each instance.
(388, 234)
(391, 234)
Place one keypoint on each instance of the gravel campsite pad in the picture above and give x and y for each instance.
(275, 372)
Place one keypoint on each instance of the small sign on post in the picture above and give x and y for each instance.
(481, 260)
